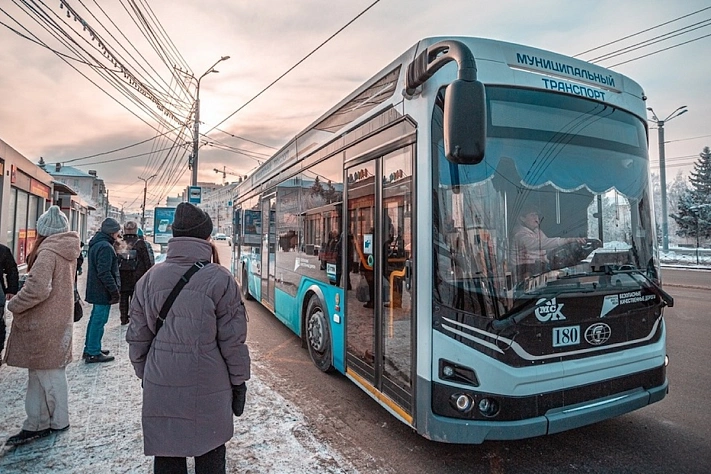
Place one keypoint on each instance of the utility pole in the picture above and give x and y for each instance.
(196, 125)
(663, 170)
(143, 207)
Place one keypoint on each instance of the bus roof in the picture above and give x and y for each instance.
(498, 63)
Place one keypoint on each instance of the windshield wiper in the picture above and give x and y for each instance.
(519, 313)
(513, 317)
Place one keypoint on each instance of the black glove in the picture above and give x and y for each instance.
(115, 298)
(239, 396)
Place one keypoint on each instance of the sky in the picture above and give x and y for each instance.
(64, 111)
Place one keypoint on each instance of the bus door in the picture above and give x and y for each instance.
(379, 291)
(268, 249)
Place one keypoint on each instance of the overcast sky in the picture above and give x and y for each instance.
(48, 109)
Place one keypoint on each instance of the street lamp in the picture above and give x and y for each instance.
(663, 171)
(143, 208)
(696, 218)
(196, 126)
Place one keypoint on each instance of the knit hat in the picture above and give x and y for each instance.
(110, 226)
(130, 228)
(191, 221)
(53, 221)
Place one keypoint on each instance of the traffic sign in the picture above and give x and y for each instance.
(194, 194)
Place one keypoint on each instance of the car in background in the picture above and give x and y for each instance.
(219, 236)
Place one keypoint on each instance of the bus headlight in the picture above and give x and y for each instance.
(462, 402)
(488, 407)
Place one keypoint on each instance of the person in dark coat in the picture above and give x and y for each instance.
(193, 370)
(148, 245)
(103, 284)
(9, 282)
(134, 262)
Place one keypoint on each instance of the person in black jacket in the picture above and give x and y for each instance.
(103, 284)
(9, 280)
(134, 262)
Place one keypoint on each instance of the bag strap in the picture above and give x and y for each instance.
(174, 294)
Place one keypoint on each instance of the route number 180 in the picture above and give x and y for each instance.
(566, 336)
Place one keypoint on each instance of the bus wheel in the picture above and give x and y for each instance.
(244, 288)
(318, 336)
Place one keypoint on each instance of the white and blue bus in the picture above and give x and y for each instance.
(386, 235)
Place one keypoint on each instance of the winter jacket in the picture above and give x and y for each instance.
(103, 280)
(189, 368)
(9, 277)
(143, 262)
(43, 310)
(149, 248)
(530, 246)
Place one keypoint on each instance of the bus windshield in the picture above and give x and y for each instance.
(558, 205)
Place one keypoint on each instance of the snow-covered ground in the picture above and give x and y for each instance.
(687, 257)
(272, 436)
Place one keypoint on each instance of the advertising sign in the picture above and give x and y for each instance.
(163, 224)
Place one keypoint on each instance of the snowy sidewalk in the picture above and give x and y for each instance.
(105, 417)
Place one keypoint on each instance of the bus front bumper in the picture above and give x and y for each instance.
(453, 430)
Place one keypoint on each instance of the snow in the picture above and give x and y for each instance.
(272, 436)
(687, 257)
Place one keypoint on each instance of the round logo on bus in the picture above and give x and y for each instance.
(598, 334)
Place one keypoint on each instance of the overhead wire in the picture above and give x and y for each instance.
(79, 71)
(295, 65)
(640, 32)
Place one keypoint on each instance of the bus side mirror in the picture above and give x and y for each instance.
(465, 122)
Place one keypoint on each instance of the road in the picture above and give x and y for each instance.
(673, 435)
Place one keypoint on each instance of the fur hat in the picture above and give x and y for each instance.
(110, 226)
(191, 221)
(53, 221)
(130, 228)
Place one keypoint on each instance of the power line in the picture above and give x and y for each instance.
(640, 32)
(295, 65)
(659, 51)
(120, 149)
(651, 41)
(245, 139)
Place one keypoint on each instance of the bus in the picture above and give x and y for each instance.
(386, 236)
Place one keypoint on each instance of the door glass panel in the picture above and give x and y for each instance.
(397, 245)
(268, 251)
(361, 299)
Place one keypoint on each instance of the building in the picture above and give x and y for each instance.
(88, 186)
(26, 192)
(217, 202)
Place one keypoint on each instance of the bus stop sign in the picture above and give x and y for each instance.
(194, 194)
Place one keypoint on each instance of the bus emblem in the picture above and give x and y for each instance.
(598, 334)
(549, 310)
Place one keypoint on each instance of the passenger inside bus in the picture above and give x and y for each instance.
(531, 244)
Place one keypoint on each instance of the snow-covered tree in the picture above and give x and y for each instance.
(675, 190)
(694, 207)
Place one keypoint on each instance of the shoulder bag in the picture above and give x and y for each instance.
(174, 294)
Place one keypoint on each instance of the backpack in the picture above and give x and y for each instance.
(128, 260)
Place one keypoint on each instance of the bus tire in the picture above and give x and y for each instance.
(318, 335)
(244, 287)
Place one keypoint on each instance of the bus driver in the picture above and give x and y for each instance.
(531, 244)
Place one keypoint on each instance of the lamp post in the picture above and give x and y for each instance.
(663, 171)
(143, 207)
(196, 125)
